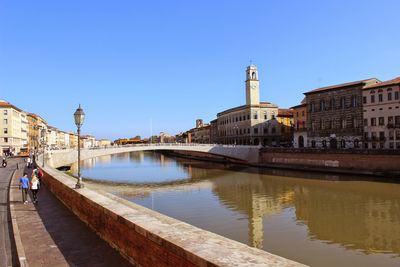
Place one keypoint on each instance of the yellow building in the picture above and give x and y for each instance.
(37, 129)
(73, 140)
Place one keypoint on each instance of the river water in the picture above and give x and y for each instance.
(313, 218)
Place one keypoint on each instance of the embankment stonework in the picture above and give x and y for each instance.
(148, 238)
(368, 162)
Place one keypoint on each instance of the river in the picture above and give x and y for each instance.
(313, 218)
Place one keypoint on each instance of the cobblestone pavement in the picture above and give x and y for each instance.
(53, 236)
(8, 256)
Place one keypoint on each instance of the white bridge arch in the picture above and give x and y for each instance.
(57, 158)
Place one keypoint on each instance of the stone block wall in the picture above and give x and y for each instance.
(147, 238)
(355, 161)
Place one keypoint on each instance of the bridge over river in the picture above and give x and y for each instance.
(249, 154)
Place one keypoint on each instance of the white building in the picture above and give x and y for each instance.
(13, 128)
(381, 114)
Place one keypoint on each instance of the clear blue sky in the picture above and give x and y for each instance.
(128, 62)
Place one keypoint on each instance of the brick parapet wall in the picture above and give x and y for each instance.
(148, 238)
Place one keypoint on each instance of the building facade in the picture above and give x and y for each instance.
(335, 115)
(255, 123)
(381, 110)
(13, 129)
(300, 125)
(37, 131)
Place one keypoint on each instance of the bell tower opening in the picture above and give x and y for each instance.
(252, 86)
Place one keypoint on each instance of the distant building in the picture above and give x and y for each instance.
(37, 131)
(285, 121)
(104, 142)
(381, 110)
(13, 128)
(335, 115)
(87, 141)
(166, 138)
(300, 125)
(52, 137)
(252, 124)
(73, 140)
(201, 134)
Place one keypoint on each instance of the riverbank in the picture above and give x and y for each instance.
(382, 163)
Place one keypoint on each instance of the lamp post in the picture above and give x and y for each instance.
(79, 117)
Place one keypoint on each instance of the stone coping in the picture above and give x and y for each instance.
(200, 247)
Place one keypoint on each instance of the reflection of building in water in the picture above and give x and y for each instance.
(88, 163)
(253, 197)
(136, 157)
(104, 159)
(365, 217)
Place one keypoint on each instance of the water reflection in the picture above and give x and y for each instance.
(321, 220)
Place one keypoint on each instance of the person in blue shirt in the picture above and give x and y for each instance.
(24, 185)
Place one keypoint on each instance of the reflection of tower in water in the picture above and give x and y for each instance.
(251, 195)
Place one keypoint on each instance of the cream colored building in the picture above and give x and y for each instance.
(13, 128)
(73, 140)
(252, 124)
(24, 129)
(52, 137)
(381, 114)
(104, 142)
(88, 141)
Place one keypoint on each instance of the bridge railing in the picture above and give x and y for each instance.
(176, 144)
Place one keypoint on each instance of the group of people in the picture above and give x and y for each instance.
(33, 184)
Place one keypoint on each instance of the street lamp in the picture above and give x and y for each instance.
(79, 117)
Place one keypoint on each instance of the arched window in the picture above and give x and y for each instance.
(253, 75)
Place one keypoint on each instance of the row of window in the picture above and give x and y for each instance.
(245, 117)
(392, 145)
(375, 136)
(389, 97)
(247, 131)
(391, 121)
(333, 124)
(331, 104)
(334, 143)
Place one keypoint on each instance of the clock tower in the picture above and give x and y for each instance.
(252, 86)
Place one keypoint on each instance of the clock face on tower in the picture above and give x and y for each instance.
(253, 86)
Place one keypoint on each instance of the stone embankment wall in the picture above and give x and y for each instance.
(346, 161)
(148, 238)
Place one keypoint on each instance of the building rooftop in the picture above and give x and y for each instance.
(332, 87)
(394, 81)
(284, 112)
(5, 104)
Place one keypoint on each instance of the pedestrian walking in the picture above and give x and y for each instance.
(24, 186)
(35, 185)
(28, 162)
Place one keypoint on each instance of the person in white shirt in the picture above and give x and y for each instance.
(35, 185)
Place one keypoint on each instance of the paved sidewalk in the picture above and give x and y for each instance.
(8, 256)
(53, 236)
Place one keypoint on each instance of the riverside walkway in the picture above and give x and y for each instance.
(51, 235)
